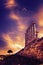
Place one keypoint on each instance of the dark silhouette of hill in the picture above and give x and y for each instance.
(22, 60)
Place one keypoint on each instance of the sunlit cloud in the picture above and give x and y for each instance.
(21, 21)
(14, 44)
(10, 3)
(3, 52)
(40, 34)
(39, 17)
(14, 16)
(21, 27)
(19, 46)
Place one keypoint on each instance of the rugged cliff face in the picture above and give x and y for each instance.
(35, 49)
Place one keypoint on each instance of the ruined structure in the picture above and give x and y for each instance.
(32, 54)
(31, 33)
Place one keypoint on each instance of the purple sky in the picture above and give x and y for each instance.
(15, 17)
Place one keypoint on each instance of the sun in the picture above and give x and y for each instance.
(40, 35)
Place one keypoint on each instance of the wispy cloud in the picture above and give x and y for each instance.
(39, 17)
(10, 3)
(14, 26)
(14, 44)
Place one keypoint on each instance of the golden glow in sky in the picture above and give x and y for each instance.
(39, 17)
(10, 3)
(15, 39)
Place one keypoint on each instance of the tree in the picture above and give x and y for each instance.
(10, 51)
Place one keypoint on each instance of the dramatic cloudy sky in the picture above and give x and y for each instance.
(15, 17)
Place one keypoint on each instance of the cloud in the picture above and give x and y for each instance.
(15, 43)
(10, 3)
(21, 21)
(39, 17)
(40, 34)
(13, 16)
(13, 25)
